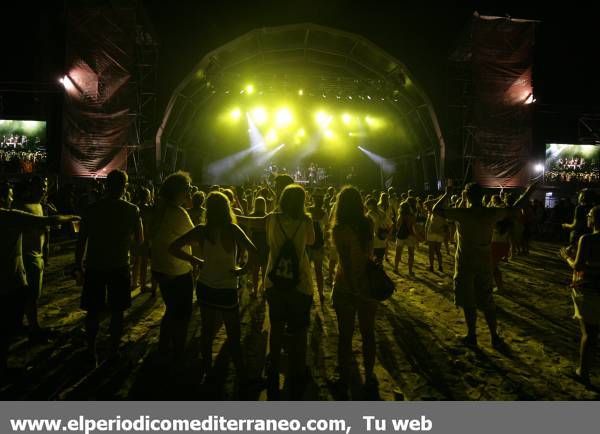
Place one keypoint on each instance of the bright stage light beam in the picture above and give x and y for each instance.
(283, 117)
(249, 89)
(346, 119)
(259, 115)
(539, 168)
(387, 166)
(323, 119)
(235, 114)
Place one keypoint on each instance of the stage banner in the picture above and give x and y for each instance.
(503, 96)
(307, 417)
(99, 93)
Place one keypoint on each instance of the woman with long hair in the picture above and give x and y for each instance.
(353, 239)
(173, 274)
(586, 292)
(406, 236)
(217, 290)
(289, 288)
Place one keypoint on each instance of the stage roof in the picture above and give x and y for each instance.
(330, 65)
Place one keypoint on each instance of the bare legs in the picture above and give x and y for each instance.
(587, 349)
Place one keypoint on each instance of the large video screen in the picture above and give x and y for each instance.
(572, 163)
(22, 145)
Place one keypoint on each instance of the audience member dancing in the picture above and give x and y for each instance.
(13, 290)
(473, 263)
(579, 226)
(219, 239)
(586, 292)
(107, 230)
(353, 236)
(35, 254)
(173, 273)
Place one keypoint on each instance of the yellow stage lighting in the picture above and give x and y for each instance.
(249, 89)
(329, 134)
(235, 114)
(271, 136)
(283, 117)
(374, 123)
(300, 92)
(323, 119)
(301, 132)
(346, 119)
(259, 115)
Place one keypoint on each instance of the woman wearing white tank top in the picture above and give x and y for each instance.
(217, 289)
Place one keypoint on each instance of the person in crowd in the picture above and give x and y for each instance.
(13, 290)
(435, 233)
(259, 238)
(578, 226)
(382, 226)
(36, 245)
(316, 252)
(406, 236)
(500, 243)
(173, 274)
(196, 212)
(586, 292)
(289, 287)
(219, 239)
(142, 254)
(390, 215)
(353, 236)
(108, 229)
(473, 262)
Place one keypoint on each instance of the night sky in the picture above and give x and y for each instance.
(419, 33)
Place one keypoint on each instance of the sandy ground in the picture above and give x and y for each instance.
(418, 355)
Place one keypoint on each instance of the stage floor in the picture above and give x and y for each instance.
(418, 356)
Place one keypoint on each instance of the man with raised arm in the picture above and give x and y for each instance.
(473, 273)
(13, 279)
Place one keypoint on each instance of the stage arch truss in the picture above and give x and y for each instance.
(329, 65)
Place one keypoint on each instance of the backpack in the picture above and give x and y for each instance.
(285, 272)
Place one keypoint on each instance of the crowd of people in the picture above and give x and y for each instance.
(276, 239)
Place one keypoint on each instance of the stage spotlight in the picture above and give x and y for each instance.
(323, 119)
(539, 167)
(235, 114)
(329, 134)
(346, 119)
(259, 115)
(301, 132)
(300, 92)
(283, 117)
(249, 89)
(374, 123)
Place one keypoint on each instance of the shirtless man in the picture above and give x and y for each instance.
(107, 228)
(473, 274)
(13, 289)
(35, 254)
